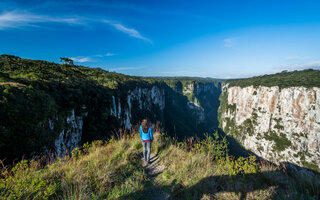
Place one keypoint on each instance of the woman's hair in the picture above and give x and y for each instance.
(145, 125)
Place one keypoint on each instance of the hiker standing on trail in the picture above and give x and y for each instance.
(146, 135)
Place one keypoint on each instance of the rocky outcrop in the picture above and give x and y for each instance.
(203, 100)
(143, 99)
(280, 125)
(130, 106)
(70, 135)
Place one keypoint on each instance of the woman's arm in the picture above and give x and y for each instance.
(140, 132)
(151, 133)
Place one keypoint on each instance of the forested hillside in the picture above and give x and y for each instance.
(307, 78)
(41, 101)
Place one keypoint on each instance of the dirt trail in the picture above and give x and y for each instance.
(154, 169)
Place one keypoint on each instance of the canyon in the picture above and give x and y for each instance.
(52, 108)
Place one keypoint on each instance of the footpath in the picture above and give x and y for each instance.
(154, 169)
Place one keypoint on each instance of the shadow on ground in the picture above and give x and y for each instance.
(287, 182)
(237, 187)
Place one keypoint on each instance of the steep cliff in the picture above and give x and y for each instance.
(70, 135)
(278, 124)
(48, 107)
(203, 100)
(181, 113)
(140, 102)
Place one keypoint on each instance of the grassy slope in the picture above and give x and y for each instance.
(114, 171)
(306, 78)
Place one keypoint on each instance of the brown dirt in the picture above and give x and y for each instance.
(154, 169)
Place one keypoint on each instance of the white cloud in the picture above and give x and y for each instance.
(228, 42)
(81, 59)
(291, 67)
(16, 19)
(106, 54)
(297, 57)
(110, 54)
(129, 31)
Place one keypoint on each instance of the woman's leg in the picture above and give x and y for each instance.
(144, 151)
(149, 151)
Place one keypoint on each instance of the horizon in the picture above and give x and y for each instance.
(207, 39)
(170, 77)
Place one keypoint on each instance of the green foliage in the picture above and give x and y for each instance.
(281, 142)
(138, 145)
(216, 148)
(66, 60)
(278, 125)
(239, 166)
(248, 126)
(32, 92)
(309, 165)
(175, 81)
(307, 78)
(24, 181)
(223, 106)
(94, 173)
(232, 107)
(85, 175)
(232, 129)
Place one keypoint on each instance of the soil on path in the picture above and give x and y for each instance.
(154, 169)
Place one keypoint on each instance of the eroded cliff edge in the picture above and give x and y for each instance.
(278, 124)
(49, 107)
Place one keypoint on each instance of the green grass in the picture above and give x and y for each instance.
(192, 170)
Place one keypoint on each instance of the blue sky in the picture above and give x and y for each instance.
(221, 39)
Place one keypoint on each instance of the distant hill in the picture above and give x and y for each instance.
(186, 78)
(306, 78)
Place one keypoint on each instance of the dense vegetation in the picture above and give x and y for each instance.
(175, 82)
(189, 170)
(307, 78)
(32, 92)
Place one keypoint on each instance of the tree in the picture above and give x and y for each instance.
(66, 60)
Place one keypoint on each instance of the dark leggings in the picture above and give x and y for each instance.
(146, 155)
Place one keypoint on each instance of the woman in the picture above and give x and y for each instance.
(146, 135)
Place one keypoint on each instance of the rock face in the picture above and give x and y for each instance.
(138, 99)
(280, 125)
(204, 101)
(193, 105)
(70, 135)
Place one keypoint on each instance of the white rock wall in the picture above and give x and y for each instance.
(146, 97)
(291, 112)
(70, 136)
